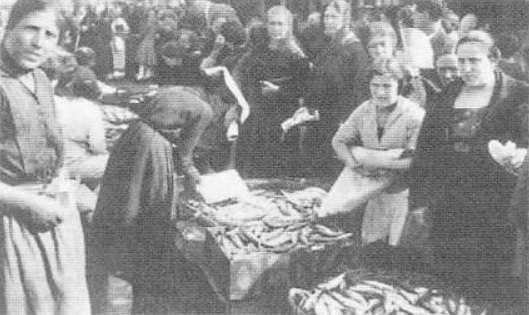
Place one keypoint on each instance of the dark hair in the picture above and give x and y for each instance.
(23, 8)
(434, 9)
(88, 89)
(234, 33)
(483, 38)
(508, 44)
(383, 66)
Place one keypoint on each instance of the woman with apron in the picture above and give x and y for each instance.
(42, 257)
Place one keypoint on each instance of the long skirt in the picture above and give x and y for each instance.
(43, 273)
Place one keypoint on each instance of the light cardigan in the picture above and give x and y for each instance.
(360, 129)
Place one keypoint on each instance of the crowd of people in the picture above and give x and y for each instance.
(400, 107)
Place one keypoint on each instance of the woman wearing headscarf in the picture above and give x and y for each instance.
(338, 87)
(455, 175)
(133, 224)
(272, 78)
(42, 259)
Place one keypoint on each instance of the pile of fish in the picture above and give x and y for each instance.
(278, 237)
(375, 296)
(283, 206)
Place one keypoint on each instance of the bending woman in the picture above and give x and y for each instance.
(371, 144)
(134, 217)
(42, 254)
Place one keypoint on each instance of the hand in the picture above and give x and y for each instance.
(43, 214)
(268, 87)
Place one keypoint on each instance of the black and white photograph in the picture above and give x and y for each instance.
(264, 157)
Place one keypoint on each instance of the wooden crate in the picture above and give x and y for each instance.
(239, 276)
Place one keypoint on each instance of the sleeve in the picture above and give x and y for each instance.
(422, 175)
(200, 118)
(96, 132)
(348, 135)
(414, 127)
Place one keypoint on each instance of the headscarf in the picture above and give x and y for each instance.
(23, 8)
(168, 108)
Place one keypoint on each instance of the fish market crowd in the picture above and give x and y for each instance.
(391, 140)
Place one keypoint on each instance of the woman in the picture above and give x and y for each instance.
(371, 144)
(120, 30)
(133, 224)
(273, 80)
(41, 239)
(145, 55)
(339, 85)
(471, 236)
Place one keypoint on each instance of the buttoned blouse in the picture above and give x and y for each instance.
(400, 131)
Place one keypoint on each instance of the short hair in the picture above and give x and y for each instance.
(434, 9)
(483, 38)
(23, 8)
(383, 66)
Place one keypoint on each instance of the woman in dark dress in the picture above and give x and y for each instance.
(273, 81)
(133, 224)
(338, 87)
(42, 258)
(454, 174)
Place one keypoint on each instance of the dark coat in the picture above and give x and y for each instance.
(260, 146)
(339, 84)
(468, 194)
(505, 120)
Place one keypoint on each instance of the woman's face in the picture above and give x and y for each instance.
(381, 47)
(277, 26)
(33, 39)
(333, 20)
(474, 64)
(384, 90)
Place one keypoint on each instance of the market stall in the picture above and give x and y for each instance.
(243, 245)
